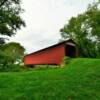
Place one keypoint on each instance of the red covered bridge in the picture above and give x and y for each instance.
(52, 55)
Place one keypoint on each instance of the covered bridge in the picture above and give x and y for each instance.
(52, 55)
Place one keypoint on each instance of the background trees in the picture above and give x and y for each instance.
(10, 22)
(11, 54)
(15, 51)
(85, 31)
(10, 19)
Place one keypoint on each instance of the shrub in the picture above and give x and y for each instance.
(6, 63)
(66, 60)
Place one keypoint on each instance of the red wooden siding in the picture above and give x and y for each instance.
(53, 55)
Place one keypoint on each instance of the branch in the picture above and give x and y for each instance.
(2, 3)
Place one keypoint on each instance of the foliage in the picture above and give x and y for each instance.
(79, 80)
(10, 54)
(6, 64)
(10, 19)
(14, 50)
(4, 61)
(85, 31)
(66, 60)
(14, 68)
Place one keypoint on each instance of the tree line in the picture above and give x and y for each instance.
(10, 21)
(85, 31)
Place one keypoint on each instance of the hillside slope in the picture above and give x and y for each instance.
(79, 80)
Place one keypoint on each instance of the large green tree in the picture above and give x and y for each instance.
(15, 51)
(85, 31)
(11, 54)
(10, 19)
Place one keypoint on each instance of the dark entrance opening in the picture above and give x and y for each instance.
(70, 51)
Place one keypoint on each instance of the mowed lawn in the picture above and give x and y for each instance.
(79, 80)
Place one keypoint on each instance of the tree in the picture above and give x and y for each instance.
(85, 31)
(14, 51)
(10, 19)
(11, 56)
(10, 22)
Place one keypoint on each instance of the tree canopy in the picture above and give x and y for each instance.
(10, 19)
(10, 54)
(85, 31)
(13, 50)
(10, 22)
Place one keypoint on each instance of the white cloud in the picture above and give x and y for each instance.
(44, 18)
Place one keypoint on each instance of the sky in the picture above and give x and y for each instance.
(44, 19)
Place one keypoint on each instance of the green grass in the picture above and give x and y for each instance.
(79, 80)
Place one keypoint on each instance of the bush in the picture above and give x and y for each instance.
(7, 64)
(3, 61)
(67, 60)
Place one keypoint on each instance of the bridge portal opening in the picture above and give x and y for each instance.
(70, 51)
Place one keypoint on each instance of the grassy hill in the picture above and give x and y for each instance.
(79, 80)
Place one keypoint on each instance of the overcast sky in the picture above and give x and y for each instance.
(44, 19)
